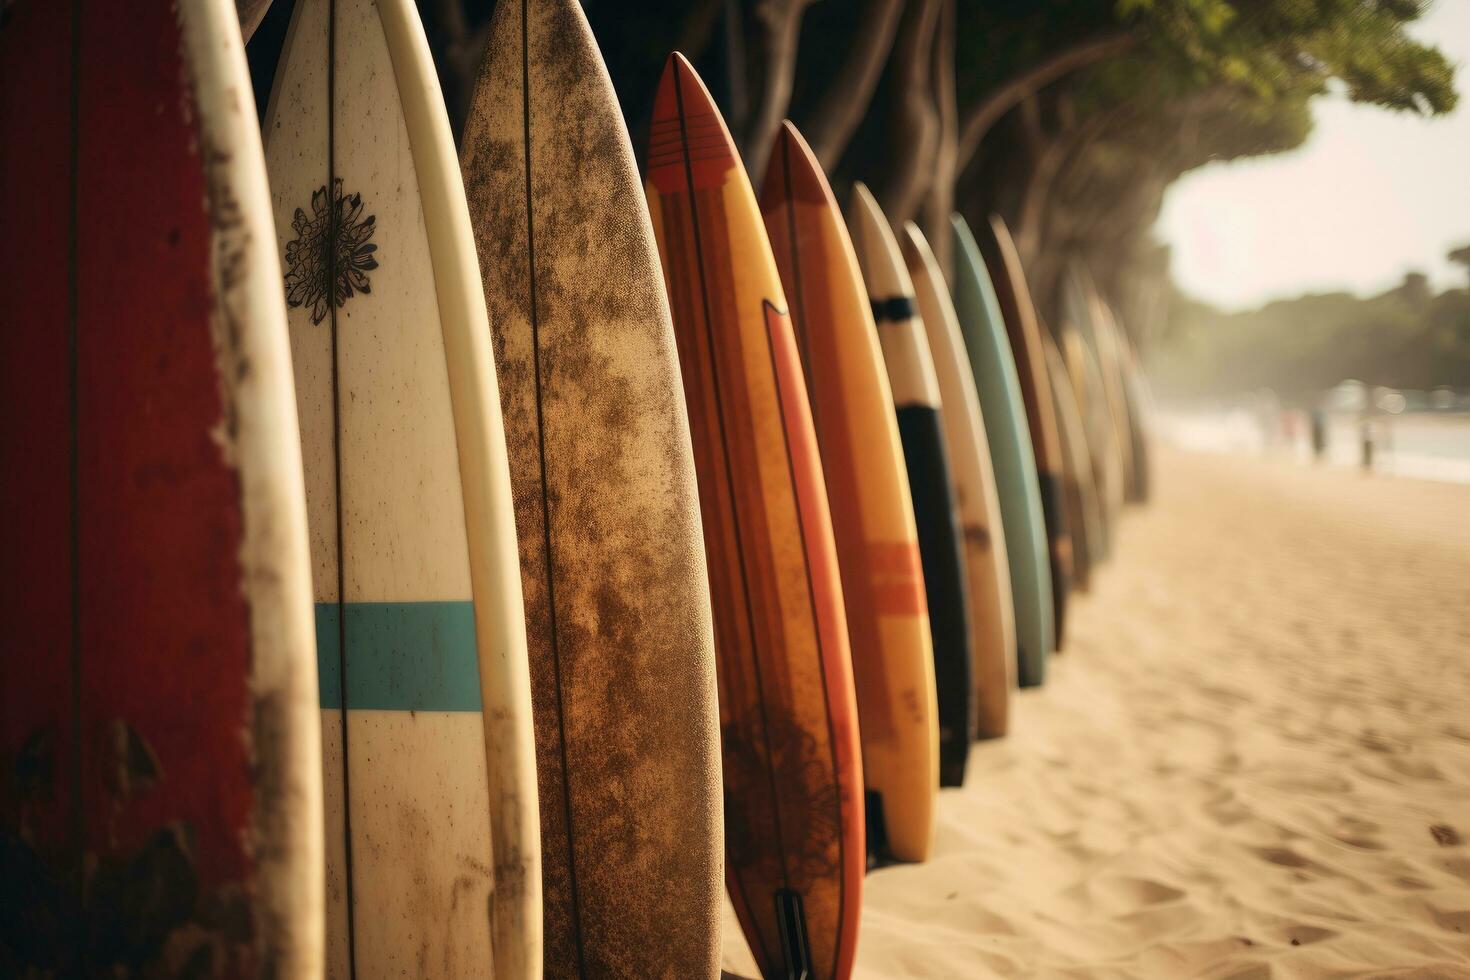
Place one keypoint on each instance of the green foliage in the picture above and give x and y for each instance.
(1404, 338)
(1206, 81)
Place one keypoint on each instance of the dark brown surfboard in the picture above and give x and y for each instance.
(612, 555)
(1016, 308)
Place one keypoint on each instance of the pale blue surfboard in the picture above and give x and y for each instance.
(1010, 451)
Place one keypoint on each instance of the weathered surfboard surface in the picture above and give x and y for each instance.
(425, 705)
(999, 389)
(987, 572)
(868, 491)
(611, 549)
(1078, 492)
(1016, 309)
(792, 770)
(158, 736)
(916, 398)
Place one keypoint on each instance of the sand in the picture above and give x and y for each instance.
(1252, 761)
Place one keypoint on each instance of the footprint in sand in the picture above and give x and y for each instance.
(1305, 935)
(1285, 857)
(1459, 867)
(1452, 921)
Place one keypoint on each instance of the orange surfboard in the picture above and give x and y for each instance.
(794, 856)
(872, 512)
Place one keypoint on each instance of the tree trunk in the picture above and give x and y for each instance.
(913, 116)
(984, 114)
(939, 199)
(459, 58)
(737, 69)
(780, 29)
(847, 98)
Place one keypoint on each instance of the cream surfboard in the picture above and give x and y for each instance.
(987, 572)
(1110, 348)
(1102, 438)
(612, 550)
(918, 404)
(1086, 374)
(1098, 331)
(1078, 489)
(431, 807)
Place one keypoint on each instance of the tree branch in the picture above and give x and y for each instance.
(984, 114)
(846, 100)
(914, 117)
(780, 22)
(938, 199)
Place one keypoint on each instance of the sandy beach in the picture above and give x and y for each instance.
(1252, 761)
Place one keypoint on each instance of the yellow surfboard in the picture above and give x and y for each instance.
(868, 487)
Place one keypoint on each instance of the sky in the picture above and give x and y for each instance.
(1372, 195)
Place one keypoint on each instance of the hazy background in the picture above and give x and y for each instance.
(1372, 196)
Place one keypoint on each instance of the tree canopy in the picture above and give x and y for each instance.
(1069, 118)
(1403, 338)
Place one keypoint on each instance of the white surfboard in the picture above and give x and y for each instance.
(432, 825)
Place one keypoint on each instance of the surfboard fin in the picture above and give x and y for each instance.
(796, 951)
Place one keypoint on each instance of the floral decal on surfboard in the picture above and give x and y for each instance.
(332, 238)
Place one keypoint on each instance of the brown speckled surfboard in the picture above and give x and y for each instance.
(612, 555)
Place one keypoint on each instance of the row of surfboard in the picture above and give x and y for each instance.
(444, 565)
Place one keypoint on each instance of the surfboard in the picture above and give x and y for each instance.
(607, 509)
(162, 793)
(1135, 388)
(1019, 315)
(432, 823)
(1078, 491)
(1109, 343)
(999, 388)
(794, 853)
(1095, 326)
(1102, 437)
(1087, 381)
(987, 573)
(917, 403)
(872, 512)
(1068, 348)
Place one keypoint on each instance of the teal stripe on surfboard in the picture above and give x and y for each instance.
(405, 656)
(999, 387)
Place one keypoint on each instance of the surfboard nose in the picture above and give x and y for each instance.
(689, 146)
(793, 172)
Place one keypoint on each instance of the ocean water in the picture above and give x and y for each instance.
(1417, 445)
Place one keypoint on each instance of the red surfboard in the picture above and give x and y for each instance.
(160, 806)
